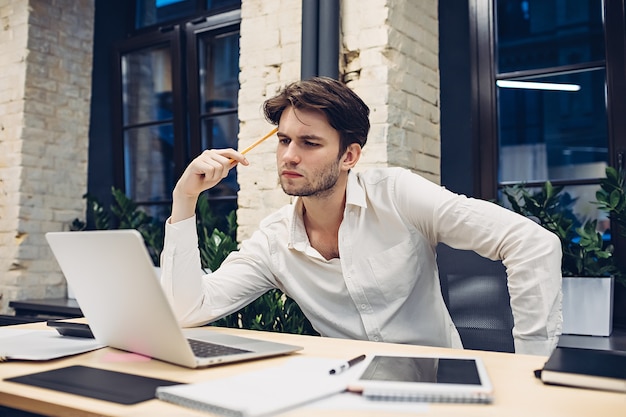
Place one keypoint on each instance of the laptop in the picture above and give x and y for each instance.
(117, 288)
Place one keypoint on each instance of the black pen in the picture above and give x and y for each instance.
(346, 365)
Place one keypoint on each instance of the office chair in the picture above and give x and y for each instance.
(476, 294)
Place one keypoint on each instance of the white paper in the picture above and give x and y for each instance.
(38, 345)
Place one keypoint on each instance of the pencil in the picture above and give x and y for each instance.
(249, 148)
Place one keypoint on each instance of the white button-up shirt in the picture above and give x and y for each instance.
(385, 285)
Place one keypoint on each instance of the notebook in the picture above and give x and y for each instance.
(586, 368)
(118, 291)
(424, 378)
(269, 391)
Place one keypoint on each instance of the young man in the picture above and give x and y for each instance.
(356, 251)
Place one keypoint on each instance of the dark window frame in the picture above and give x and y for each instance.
(194, 30)
(181, 39)
(484, 117)
(483, 91)
(200, 10)
(170, 37)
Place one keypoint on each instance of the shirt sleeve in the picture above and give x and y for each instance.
(530, 253)
(198, 298)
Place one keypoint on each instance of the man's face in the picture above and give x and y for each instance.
(307, 156)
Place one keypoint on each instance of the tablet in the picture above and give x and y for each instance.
(424, 378)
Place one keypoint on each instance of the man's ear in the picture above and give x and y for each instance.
(351, 156)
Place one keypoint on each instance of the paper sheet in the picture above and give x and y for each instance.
(39, 345)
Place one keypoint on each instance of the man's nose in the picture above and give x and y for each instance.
(291, 154)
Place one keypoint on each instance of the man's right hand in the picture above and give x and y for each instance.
(203, 173)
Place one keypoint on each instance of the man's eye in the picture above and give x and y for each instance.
(307, 143)
(284, 141)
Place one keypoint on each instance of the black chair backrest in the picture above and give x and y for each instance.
(476, 294)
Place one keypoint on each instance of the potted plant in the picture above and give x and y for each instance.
(589, 267)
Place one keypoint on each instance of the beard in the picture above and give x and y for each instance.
(322, 183)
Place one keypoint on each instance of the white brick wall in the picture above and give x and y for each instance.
(270, 58)
(389, 57)
(45, 92)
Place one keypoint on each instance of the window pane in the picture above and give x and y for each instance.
(219, 72)
(548, 33)
(159, 212)
(151, 12)
(221, 132)
(149, 163)
(551, 134)
(222, 4)
(147, 86)
(219, 88)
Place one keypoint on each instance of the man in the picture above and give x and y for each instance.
(356, 251)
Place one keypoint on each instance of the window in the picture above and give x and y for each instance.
(214, 69)
(548, 73)
(152, 12)
(178, 88)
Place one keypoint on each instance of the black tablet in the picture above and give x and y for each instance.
(424, 378)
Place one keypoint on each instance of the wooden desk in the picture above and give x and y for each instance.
(517, 392)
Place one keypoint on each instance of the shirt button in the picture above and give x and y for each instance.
(363, 306)
(376, 338)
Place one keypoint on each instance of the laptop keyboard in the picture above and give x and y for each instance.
(204, 349)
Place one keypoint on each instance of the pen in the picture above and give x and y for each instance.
(346, 365)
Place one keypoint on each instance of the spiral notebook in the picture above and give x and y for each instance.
(425, 379)
(298, 381)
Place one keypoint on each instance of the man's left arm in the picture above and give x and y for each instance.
(532, 257)
(530, 253)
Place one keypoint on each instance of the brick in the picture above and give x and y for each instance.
(44, 135)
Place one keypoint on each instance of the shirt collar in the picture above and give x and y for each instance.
(297, 233)
(298, 239)
(355, 194)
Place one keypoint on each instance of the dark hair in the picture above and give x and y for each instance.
(345, 111)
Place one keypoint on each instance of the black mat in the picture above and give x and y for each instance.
(96, 383)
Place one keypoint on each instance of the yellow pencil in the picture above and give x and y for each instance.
(249, 148)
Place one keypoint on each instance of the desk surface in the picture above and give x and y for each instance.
(517, 392)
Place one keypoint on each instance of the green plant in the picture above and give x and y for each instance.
(272, 311)
(123, 213)
(585, 253)
(611, 198)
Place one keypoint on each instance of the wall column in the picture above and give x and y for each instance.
(45, 93)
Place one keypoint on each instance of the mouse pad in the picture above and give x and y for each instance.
(96, 383)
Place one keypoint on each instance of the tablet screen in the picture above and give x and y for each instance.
(422, 369)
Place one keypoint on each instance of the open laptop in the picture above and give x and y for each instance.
(117, 288)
